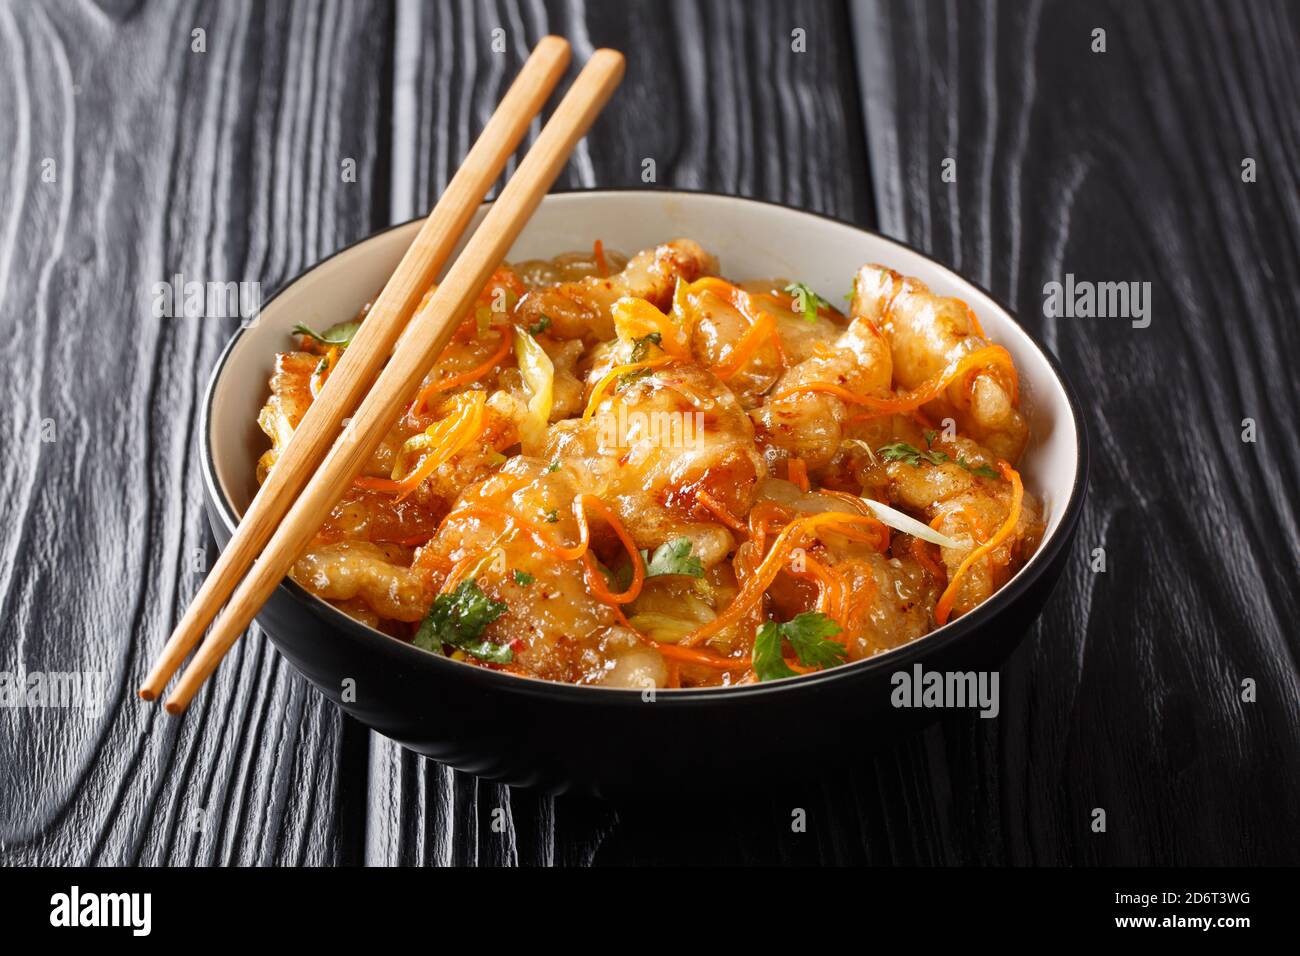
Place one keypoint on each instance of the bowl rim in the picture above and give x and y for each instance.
(895, 658)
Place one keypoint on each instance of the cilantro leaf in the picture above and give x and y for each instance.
(674, 557)
(809, 302)
(910, 454)
(809, 635)
(458, 619)
(767, 661)
(523, 578)
(540, 326)
(340, 334)
(551, 516)
(984, 471)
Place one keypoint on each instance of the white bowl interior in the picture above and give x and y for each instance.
(752, 240)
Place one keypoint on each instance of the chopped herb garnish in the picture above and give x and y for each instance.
(910, 454)
(552, 516)
(984, 471)
(930, 436)
(553, 466)
(458, 619)
(540, 326)
(641, 346)
(806, 300)
(340, 334)
(809, 635)
(674, 557)
(523, 578)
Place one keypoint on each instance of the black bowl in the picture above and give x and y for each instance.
(617, 742)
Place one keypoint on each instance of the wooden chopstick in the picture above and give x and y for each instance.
(369, 349)
(426, 336)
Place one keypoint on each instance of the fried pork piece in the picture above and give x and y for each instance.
(926, 334)
(377, 576)
(554, 625)
(581, 309)
(653, 442)
(810, 424)
(719, 340)
(886, 600)
(967, 506)
(288, 403)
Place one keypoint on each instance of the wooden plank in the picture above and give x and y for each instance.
(716, 97)
(1126, 165)
(221, 165)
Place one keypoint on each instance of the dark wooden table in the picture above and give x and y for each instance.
(131, 157)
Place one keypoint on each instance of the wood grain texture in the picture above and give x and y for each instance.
(226, 165)
(1126, 165)
(223, 165)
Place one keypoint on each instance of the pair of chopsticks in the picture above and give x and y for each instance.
(314, 469)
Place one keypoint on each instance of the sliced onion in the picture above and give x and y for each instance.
(909, 525)
(539, 378)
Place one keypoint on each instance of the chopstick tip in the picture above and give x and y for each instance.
(147, 693)
(610, 61)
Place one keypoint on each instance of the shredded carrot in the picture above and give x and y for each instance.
(830, 588)
(880, 534)
(746, 346)
(742, 302)
(974, 322)
(944, 608)
(792, 536)
(576, 552)
(473, 375)
(797, 471)
(718, 509)
(595, 580)
(534, 531)
(764, 517)
(613, 373)
(448, 435)
(980, 360)
(598, 253)
(692, 656)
